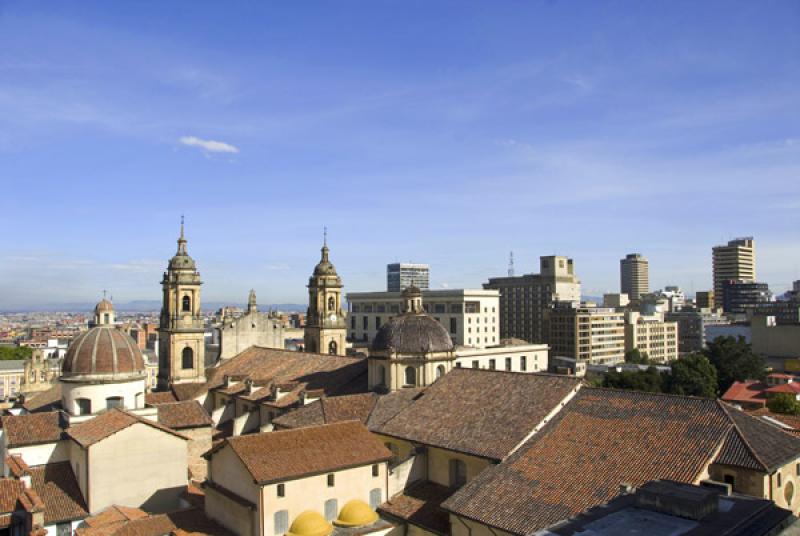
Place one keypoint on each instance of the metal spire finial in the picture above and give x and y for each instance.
(325, 236)
(181, 226)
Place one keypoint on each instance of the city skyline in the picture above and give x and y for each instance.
(447, 135)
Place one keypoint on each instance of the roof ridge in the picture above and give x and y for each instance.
(740, 434)
(635, 391)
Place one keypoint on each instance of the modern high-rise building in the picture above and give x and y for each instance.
(524, 299)
(634, 276)
(400, 276)
(586, 333)
(739, 296)
(734, 261)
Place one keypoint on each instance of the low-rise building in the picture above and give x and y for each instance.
(653, 335)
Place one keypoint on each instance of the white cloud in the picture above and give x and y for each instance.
(210, 146)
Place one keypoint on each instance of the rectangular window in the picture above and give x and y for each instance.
(331, 508)
(453, 325)
(779, 479)
(439, 308)
(491, 364)
(377, 322)
(331, 480)
(458, 364)
(281, 490)
(475, 364)
(375, 498)
(365, 322)
(281, 520)
(64, 529)
(352, 322)
(508, 363)
(376, 470)
(523, 363)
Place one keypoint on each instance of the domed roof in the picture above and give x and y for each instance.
(356, 513)
(182, 262)
(103, 306)
(310, 523)
(324, 266)
(412, 333)
(103, 352)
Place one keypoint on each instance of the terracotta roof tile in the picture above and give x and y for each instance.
(56, 485)
(10, 491)
(104, 425)
(480, 412)
(420, 504)
(600, 439)
(17, 466)
(755, 444)
(45, 400)
(280, 455)
(749, 392)
(34, 428)
(791, 421)
(121, 521)
(187, 391)
(154, 398)
(181, 415)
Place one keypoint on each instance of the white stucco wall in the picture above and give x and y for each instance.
(99, 392)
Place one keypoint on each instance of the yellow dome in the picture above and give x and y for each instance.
(356, 514)
(310, 523)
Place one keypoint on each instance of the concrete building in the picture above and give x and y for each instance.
(736, 260)
(400, 276)
(692, 325)
(704, 299)
(616, 301)
(181, 331)
(524, 299)
(253, 328)
(471, 317)
(588, 333)
(771, 339)
(738, 295)
(634, 276)
(651, 334)
(512, 355)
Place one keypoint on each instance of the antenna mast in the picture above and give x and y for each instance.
(511, 264)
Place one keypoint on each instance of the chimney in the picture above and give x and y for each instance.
(248, 384)
(302, 397)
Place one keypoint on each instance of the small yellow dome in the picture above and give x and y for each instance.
(356, 514)
(310, 523)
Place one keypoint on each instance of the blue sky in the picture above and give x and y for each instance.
(441, 132)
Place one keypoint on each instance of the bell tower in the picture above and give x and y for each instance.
(326, 326)
(181, 338)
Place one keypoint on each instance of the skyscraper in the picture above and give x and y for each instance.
(734, 261)
(400, 276)
(634, 276)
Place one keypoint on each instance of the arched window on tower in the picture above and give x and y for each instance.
(331, 304)
(333, 348)
(187, 304)
(187, 358)
(411, 376)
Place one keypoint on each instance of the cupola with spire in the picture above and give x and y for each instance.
(326, 328)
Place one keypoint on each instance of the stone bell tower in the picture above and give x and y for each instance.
(326, 326)
(181, 340)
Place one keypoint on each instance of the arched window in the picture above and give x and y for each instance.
(114, 402)
(84, 406)
(333, 348)
(458, 473)
(187, 358)
(439, 371)
(788, 493)
(331, 509)
(187, 304)
(411, 376)
(331, 304)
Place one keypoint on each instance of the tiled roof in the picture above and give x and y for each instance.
(155, 398)
(10, 490)
(112, 421)
(34, 428)
(336, 375)
(285, 454)
(601, 438)
(791, 421)
(370, 409)
(187, 391)
(791, 388)
(122, 521)
(480, 412)
(17, 466)
(56, 485)
(181, 415)
(109, 520)
(44, 400)
(419, 505)
(755, 444)
(748, 392)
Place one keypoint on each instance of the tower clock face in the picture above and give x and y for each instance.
(332, 317)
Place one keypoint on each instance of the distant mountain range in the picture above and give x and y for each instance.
(146, 306)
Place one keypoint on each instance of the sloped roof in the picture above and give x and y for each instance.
(154, 398)
(109, 520)
(10, 490)
(755, 444)
(480, 412)
(34, 428)
(183, 415)
(47, 400)
(601, 438)
(281, 455)
(56, 485)
(791, 421)
(748, 392)
(106, 424)
(419, 504)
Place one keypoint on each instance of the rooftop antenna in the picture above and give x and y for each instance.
(511, 264)
(325, 236)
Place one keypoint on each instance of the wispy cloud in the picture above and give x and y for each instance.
(210, 146)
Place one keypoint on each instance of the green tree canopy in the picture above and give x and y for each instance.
(735, 361)
(637, 357)
(15, 352)
(692, 375)
(784, 403)
(640, 380)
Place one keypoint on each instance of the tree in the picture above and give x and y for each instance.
(640, 380)
(735, 361)
(15, 352)
(692, 375)
(637, 357)
(784, 403)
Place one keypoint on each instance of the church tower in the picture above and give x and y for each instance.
(181, 339)
(326, 326)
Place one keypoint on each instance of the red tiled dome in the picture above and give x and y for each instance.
(103, 351)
